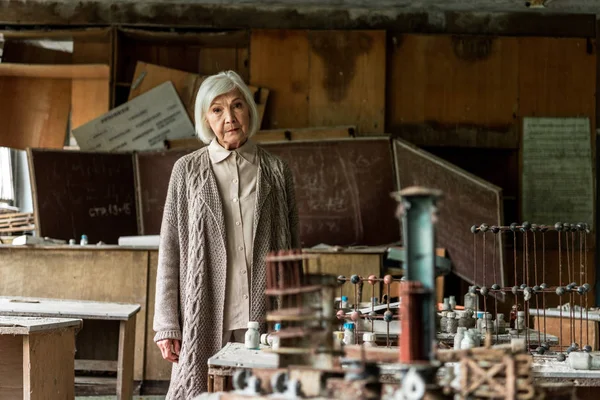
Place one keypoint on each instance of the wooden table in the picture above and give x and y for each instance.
(233, 356)
(588, 330)
(88, 310)
(37, 358)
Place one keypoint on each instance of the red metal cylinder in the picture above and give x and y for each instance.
(412, 328)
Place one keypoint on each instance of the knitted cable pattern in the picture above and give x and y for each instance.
(192, 269)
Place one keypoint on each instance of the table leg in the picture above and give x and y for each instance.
(125, 362)
(49, 365)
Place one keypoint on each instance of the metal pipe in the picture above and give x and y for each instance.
(418, 211)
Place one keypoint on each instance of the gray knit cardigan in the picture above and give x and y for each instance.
(192, 264)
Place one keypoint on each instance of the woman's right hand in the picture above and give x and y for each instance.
(169, 348)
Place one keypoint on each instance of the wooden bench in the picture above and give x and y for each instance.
(124, 314)
(37, 358)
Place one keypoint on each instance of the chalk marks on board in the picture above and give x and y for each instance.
(78, 193)
(342, 190)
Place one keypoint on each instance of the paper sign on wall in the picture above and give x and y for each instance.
(140, 124)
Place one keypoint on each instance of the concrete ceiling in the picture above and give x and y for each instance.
(404, 15)
(559, 6)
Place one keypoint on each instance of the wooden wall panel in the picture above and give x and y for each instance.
(78, 274)
(321, 78)
(347, 79)
(279, 62)
(34, 112)
(89, 100)
(452, 80)
(557, 78)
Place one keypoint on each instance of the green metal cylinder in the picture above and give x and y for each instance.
(418, 210)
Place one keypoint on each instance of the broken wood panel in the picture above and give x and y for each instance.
(279, 61)
(452, 81)
(35, 112)
(89, 100)
(347, 79)
(148, 76)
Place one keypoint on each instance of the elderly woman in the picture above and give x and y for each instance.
(227, 206)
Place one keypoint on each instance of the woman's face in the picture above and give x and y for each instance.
(229, 118)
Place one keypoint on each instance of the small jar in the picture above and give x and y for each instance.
(444, 322)
(452, 323)
(349, 337)
(471, 302)
(344, 302)
(84, 240)
(446, 305)
(274, 340)
(452, 302)
(338, 339)
(374, 301)
(520, 321)
(369, 339)
(252, 337)
(460, 334)
(500, 324)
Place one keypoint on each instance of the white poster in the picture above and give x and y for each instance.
(140, 124)
(557, 183)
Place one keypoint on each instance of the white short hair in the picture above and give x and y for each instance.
(213, 87)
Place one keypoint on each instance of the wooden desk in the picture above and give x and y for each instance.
(88, 310)
(95, 273)
(231, 357)
(363, 261)
(37, 358)
(589, 333)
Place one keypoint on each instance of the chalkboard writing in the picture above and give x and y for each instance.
(558, 183)
(153, 172)
(467, 200)
(78, 193)
(342, 190)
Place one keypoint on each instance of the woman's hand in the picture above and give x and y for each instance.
(169, 348)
